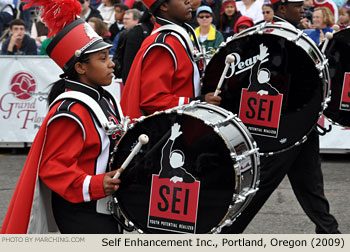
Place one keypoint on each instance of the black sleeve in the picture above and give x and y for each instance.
(134, 40)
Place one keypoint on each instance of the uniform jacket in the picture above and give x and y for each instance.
(75, 171)
(163, 75)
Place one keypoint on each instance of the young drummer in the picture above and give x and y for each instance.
(65, 174)
(165, 72)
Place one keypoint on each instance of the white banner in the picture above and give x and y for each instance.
(24, 87)
(335, 141)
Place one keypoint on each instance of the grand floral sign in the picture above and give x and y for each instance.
(24, 88)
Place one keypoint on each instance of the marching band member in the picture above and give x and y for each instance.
(164, 72)
(65, 172)
(301, 163)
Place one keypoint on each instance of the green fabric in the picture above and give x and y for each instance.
(215, 38)
(44, 44)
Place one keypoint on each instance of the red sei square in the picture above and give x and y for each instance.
(174, 201)
(260, 110)
(345, 98)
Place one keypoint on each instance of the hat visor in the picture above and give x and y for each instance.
(99, 45)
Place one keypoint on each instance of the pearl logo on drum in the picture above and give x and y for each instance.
(174, 193)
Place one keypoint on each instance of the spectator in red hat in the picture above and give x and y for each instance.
(164, 71)
(243, 23)
(301, 163)
(228, 18)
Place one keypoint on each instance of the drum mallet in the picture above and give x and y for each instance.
(229, 59)
(329, 36)
(143, 139)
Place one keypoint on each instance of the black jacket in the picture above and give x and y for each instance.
(28, 47)
(94, 13)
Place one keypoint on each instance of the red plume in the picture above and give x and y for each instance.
(56, 14)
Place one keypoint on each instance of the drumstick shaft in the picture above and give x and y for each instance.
(131, 155)
(325, 45)
(229, 59)
(227, 65)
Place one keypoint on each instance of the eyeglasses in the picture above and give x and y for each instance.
(204, 16)
(266, 12)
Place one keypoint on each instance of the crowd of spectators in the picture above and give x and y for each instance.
(213, 20)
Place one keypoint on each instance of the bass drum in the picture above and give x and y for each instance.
(277, 85)
(196, 174)
(338, 110)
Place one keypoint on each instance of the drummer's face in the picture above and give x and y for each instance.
(177, 11)
(293, 12)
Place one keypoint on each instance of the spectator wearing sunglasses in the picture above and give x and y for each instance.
(208, 36)
(267, 12)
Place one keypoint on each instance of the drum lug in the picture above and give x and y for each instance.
(140, 119)
(226, 121)
(325, 104)
(320, 66)
(244, 155)
(300, 33)
(117, 214)
(303, 140)
(243, 196)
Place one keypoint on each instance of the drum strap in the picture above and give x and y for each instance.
(89, 102)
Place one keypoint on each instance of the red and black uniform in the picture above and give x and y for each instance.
(71, 163)
(164, 74)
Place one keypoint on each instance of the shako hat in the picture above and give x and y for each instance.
(73, 37)
(153, 5)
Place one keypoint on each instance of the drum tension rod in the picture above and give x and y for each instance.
(224, 122)
(112, 205)
(244, 155)
(300, 33)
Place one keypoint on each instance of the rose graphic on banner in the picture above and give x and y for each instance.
(23, 85)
